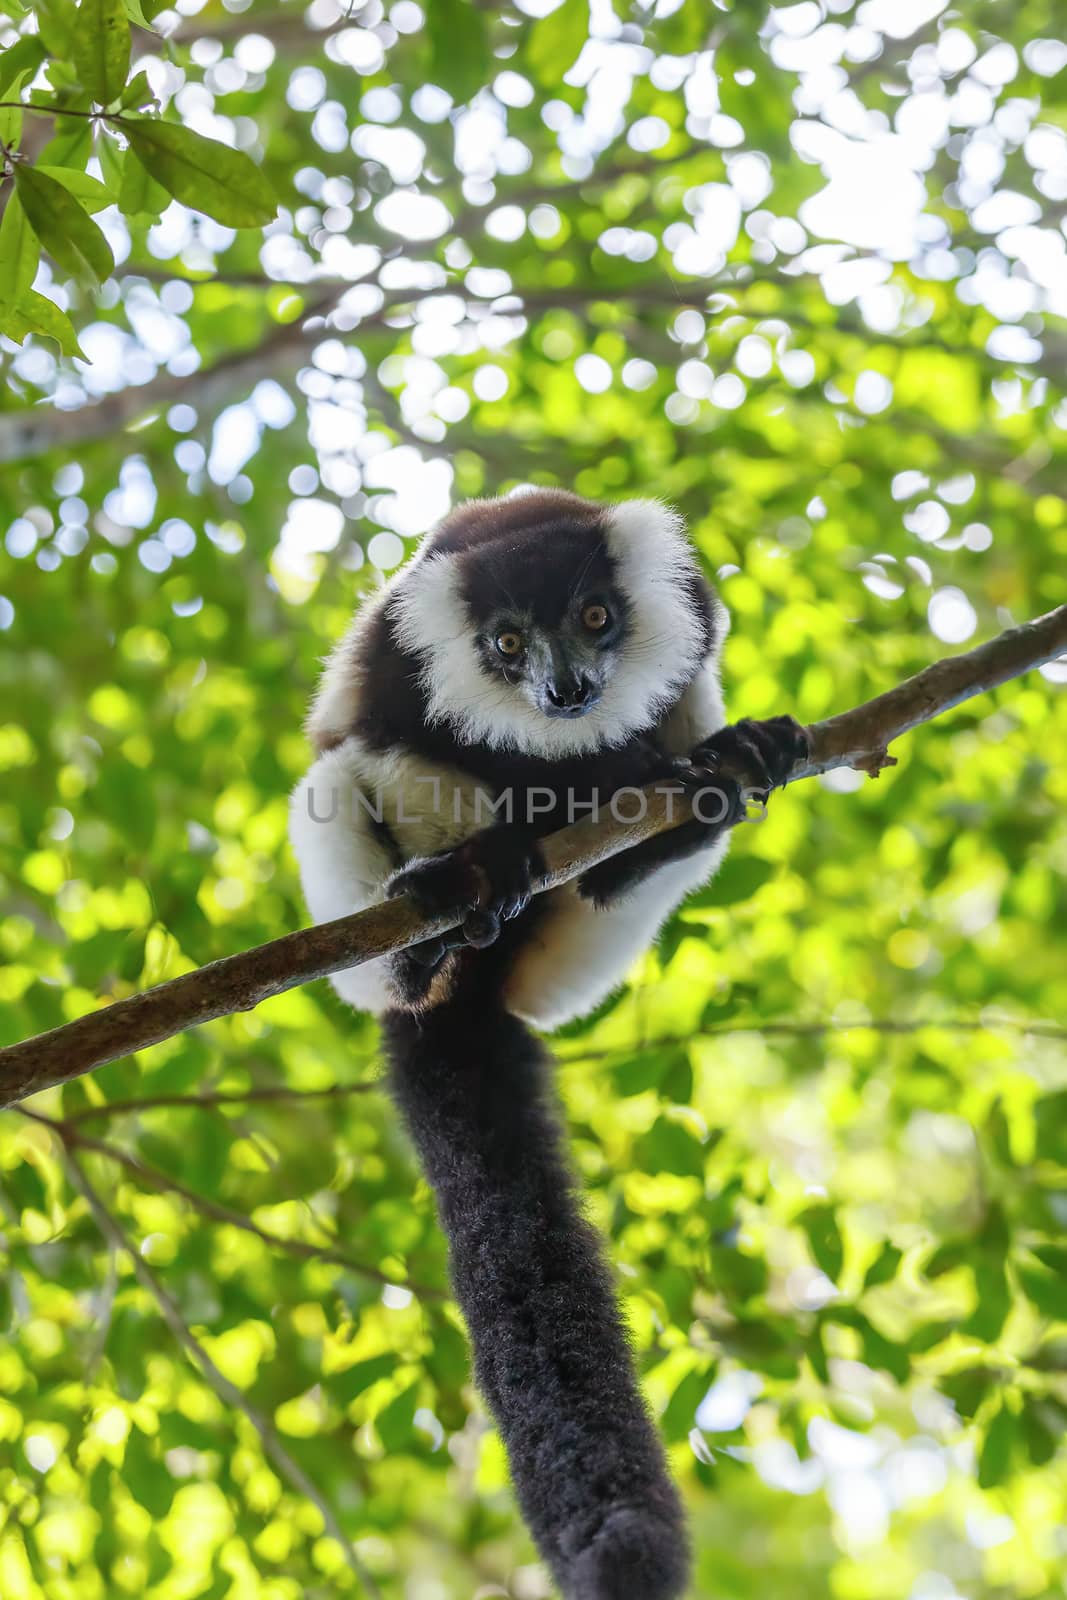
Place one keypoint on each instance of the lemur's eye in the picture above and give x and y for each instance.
(596, 617)
(509, 643)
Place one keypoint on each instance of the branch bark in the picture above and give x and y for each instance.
(31, 433)
(857, 738)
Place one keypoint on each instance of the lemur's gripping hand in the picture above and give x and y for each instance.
(487, 880)
(757, 755)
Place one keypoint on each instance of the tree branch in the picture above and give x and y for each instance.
(212, 1098)
(776, 1028)
(31, 433)
(857, 738)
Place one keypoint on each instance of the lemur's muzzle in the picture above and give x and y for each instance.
(571, 696)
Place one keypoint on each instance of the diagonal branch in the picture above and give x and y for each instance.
(857, 738)
(31, 433)
(227, 1392)
(213, 1210)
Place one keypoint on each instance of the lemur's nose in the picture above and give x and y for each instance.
(571, 694)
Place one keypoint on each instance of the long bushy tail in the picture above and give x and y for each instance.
(550, 1353)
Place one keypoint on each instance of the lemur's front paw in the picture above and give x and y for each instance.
(761, 753)
(487, 880)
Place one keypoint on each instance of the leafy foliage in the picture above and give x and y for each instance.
(82, 57)
(799, 271)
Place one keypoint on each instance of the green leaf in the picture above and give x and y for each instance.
(1042, 1427)
(65, 230)
(1046, 1290)
(89, 191)
(992, 1302)
(1050, 1118)
(948, 1257)
(669, 1147)
(102, 48)
(736, 881)
(35, 313)
(70, 146)
(888, 1354)
(11, 116)
(25, 56)
(679, 1417)
(967, 1389)
(138, 94)
(202, 173)
(395, 1422)
(740, 1277)
(343, 1387)
(140, 195)
(884, 1267)
(458, 40)
(556, 41)
(644, 1071)
(18, 254)
(112, 159)
(815, 1350)
(824, 1236)
(146, 1475)
(995, 1457)
(144, 15)
(57, 22)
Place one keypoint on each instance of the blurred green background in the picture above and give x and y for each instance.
(800, 271)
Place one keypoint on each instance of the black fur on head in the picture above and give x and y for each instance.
(541, 593)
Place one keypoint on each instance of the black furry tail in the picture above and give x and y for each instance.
(550, 1353)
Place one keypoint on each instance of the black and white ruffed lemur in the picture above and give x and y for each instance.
(537, 653)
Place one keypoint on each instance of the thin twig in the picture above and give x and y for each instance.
(227, 1392)
(780, 1028)
(212, 1098)
(818, 1030)
(51, 111)
(214, 1210)
(787, 1028)
(857, 738)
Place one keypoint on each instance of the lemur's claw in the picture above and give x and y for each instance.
(485, 881)
(763, 752)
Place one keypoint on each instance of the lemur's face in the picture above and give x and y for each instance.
(553, 627)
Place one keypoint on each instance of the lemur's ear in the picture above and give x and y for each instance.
(681, 621)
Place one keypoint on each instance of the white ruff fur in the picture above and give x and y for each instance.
(653, 561)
